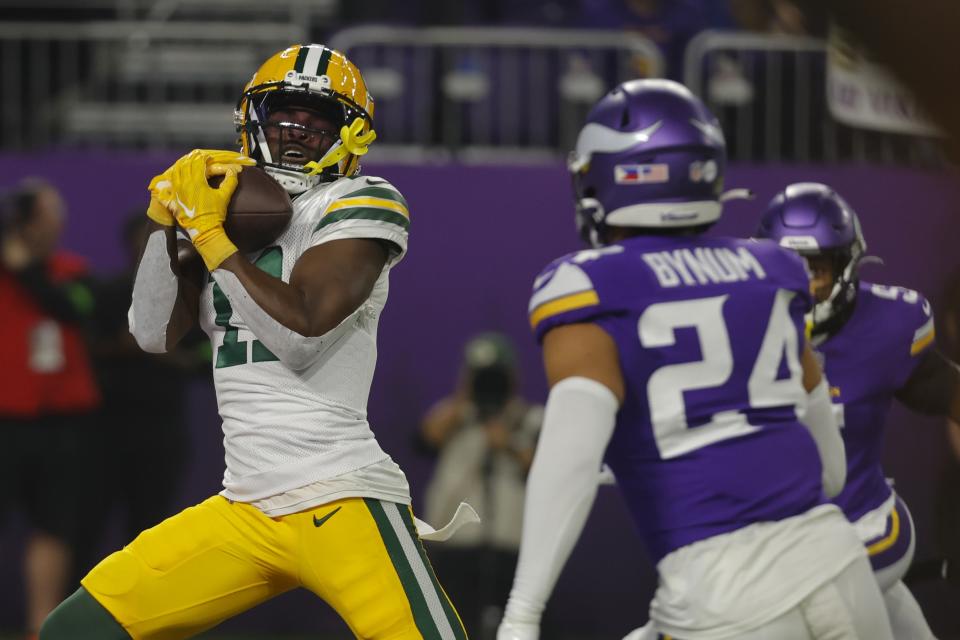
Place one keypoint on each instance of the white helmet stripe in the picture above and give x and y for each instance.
(313, 59)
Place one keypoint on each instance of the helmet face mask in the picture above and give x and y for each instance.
(288, 143)
(314, 80)
(282, 139)
(813, 220)
(651, 156)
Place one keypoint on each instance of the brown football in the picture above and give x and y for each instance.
(259, 210)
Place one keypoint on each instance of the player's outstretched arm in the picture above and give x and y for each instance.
(586, 391)
(822, 424)
(933, 388)
(170, 274)
(166, 290)
(328, 283)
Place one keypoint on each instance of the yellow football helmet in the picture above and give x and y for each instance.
(319, 79)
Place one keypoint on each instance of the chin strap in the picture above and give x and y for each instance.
(589, 212)
(826, 317)
(351, 142)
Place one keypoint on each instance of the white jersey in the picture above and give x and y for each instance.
(284, 429)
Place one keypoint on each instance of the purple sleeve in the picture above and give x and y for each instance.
(914, 328)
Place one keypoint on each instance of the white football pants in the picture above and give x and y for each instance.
(849, 607)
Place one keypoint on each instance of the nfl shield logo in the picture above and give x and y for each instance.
(641, 173)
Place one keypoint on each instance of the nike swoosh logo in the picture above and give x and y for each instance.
(190, 212)
(644, 135)
(319, 521)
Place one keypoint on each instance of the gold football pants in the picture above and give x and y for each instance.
(219, 558)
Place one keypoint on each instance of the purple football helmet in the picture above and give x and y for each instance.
(813, 220)
(651, 155)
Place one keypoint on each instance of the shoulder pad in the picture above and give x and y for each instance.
(912, 313)
(365, 198)
(562, 293)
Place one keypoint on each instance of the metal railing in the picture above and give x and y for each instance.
(486, 89)
(302, 12)
(769, 93)
(299, 11)
(477, 93)
(139, 84)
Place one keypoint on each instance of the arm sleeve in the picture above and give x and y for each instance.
(154, 296)
(578, 424)
(69, 302)
(933, 386)
(294, 350)
(916, 328)
(820, 421)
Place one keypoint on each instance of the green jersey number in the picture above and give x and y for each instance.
(233, 352)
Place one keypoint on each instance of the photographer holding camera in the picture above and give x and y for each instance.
(484, 436)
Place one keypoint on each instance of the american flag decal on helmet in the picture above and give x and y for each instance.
(641, 173)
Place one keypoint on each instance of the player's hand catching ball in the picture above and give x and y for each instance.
(163, 208)
(202, 209)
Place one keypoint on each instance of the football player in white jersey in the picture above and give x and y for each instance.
(310, 499)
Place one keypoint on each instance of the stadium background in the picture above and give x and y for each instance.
(474, 128)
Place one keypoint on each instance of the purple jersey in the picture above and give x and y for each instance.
(709, 333)
(866, 362)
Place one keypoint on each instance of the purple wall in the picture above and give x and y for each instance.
(479, 236)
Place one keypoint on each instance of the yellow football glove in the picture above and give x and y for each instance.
(202, 209)
(161, 200)
(162, 207)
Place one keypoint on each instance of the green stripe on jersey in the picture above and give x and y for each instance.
(418, 604)
(364, 213)
(377, 192)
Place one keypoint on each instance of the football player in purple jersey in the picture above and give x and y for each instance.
(680, 361)
(875, 343)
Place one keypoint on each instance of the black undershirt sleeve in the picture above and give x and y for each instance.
(934, 387)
